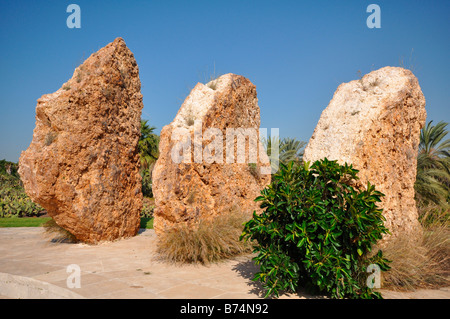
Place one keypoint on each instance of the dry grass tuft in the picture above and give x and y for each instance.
(57, 233)
(424, 264)
(210, 241)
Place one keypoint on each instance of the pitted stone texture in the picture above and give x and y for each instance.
(374, 123)
(82, 164)
(205, 181)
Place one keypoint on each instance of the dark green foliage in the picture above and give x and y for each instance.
(433, 166)
(146, 223)
(146, 175)
(148, 151)
(317, 231)
(148, 145)
(14, 202)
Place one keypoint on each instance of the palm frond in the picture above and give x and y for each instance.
(433, 165)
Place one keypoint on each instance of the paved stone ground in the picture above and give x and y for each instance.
(32, 266)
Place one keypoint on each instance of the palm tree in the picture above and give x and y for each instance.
(433, 165)
(289, 149)
(431, 136)
(148, 145)
(149, 153)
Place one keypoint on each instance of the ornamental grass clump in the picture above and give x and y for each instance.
(422, 263)
(209, 240)
(317, 231)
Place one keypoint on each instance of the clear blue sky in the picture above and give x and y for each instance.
(295, 52)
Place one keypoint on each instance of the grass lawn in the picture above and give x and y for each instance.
(23, 221)
(147, 223)
(38, 221)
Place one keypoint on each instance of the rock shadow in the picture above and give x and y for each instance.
(247, 269)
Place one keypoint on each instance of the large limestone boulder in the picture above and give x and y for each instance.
(374, 123)
(82, 164)
(198, 174)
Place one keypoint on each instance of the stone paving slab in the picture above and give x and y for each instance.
(126, 269)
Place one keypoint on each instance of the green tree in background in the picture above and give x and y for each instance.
(148, 145)
(149, 152)
(433, 166)
(14, 202)
(289, 149)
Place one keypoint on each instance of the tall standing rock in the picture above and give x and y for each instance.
(198, 174)
(374, 123)
(82, 164)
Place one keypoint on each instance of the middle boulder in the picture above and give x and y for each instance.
(211, 159)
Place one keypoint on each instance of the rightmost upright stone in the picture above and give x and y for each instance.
(374, 123)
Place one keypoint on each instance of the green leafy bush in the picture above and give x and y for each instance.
(148, 206)
(14, 202)
(317, 231)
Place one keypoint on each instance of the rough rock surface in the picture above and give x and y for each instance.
(374, 123)
(205, 181)
(82, 164)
